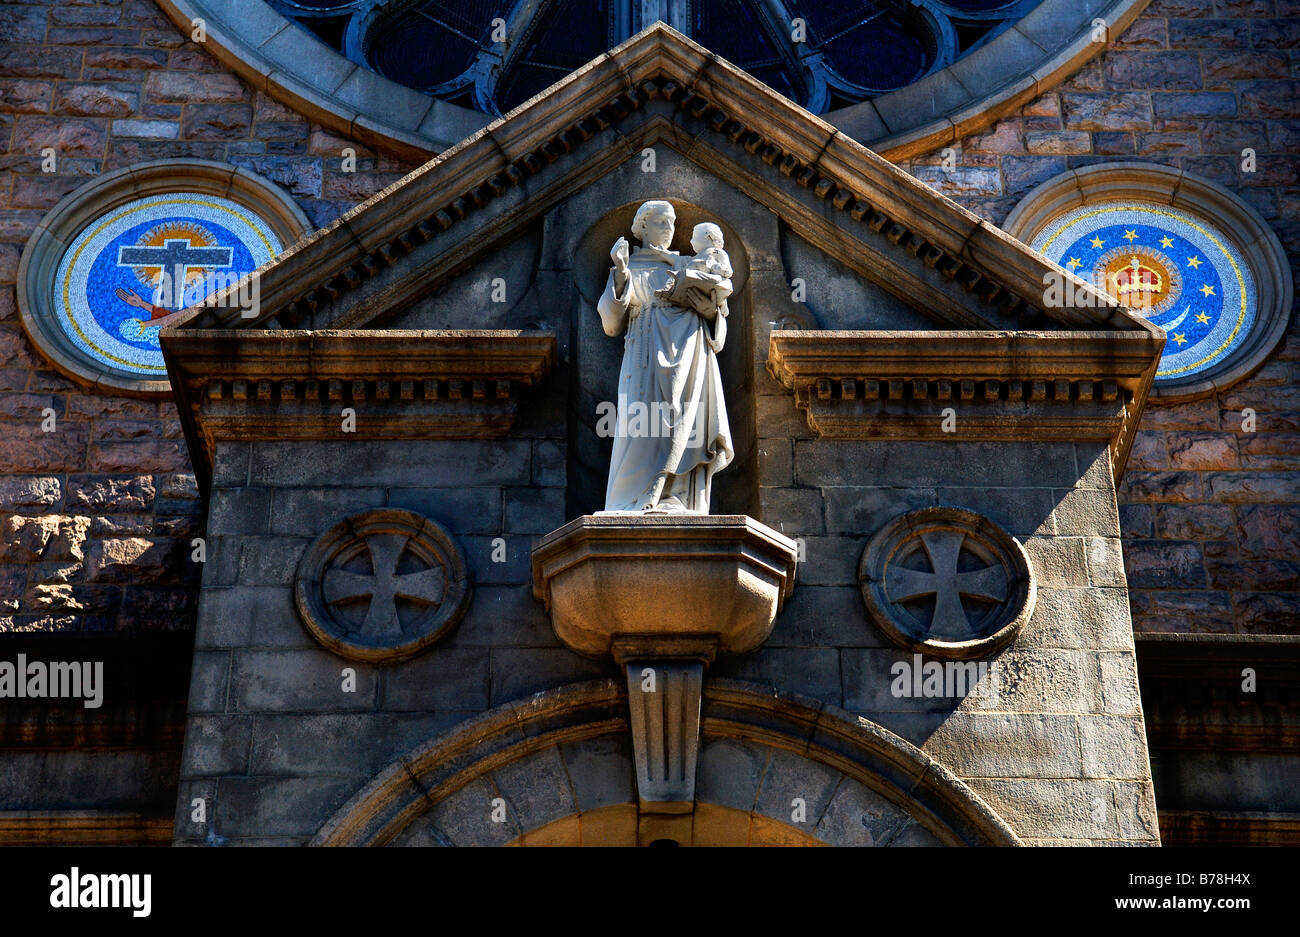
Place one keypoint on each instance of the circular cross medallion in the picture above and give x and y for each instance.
(381, 586)
(948, 582)
(119, 258)
(128, 273)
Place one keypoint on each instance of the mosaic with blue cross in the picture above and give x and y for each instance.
(132, 270)
(1178, 273)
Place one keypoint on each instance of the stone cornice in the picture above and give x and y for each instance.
(1194, 700)
(884, 223)
(144, 693)
(1195, 669)
(444, 384)
(1000, 385)
(84, 828)
(1228, 828)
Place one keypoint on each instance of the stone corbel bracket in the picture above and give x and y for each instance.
(663, 594)
(1079, 386)
(295, 385)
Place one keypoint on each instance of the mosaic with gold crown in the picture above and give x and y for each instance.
(1177, 272)
(131, 271)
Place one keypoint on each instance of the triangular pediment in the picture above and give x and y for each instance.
(930, 301)
(660, 89)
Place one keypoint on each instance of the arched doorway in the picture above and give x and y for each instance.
(774, 769)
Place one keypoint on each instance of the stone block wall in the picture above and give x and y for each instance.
(274, 743)
(1190, 84)
(1058, 747)
(1211, 514)
(96, 517)
(98, 546)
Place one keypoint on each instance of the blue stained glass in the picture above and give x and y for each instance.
(569, 35)
(876, 45)
(403, 47)
(844, 51)
(979, 6)
(734, 31)
(318, 6)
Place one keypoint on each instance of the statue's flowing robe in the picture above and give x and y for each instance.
(671, 417)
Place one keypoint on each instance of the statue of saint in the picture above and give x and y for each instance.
(671, 433)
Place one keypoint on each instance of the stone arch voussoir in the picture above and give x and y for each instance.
(775, 768)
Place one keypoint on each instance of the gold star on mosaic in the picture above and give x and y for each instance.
(1166, 242)
(1097, 242)
(1130, 235)
(1180, 338)
(1207, 290)
(1075, 263)
(1193, 262)
(1202, 318)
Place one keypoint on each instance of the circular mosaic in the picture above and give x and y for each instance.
(1179, 251)
(134, 270)
(381, 586)
(947, 582)
(1178, 273)
(119, 258)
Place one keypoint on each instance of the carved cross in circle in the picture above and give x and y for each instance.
(945, 583)
(384, 586)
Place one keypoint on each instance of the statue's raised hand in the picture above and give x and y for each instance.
(619, 254)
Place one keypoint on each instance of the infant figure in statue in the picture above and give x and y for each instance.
(705, 279)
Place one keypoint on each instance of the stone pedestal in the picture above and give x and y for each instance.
(705, 583)
(664, 594)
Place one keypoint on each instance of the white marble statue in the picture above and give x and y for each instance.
(671, 435)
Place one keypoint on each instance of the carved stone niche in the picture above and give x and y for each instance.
(664, 594)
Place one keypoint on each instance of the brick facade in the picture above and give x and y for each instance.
(1210, 514)
(96, 517)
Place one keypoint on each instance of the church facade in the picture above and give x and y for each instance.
(313, 393)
